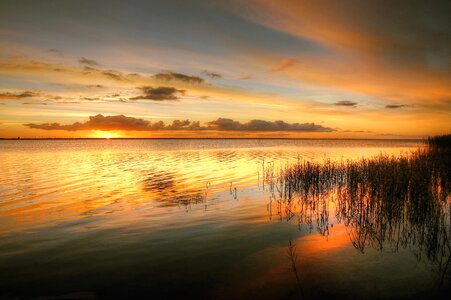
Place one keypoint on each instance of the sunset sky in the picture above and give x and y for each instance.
(257, 68)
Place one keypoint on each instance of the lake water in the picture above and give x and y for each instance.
(100, 219)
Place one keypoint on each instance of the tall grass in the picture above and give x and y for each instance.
(385, 202)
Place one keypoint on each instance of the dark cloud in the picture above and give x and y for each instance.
(100, 98)
(121, 122)
(56, 52)
(183, 125)
(261, 125)
(114, 75)
(212, 75)
(90, 69)
(159, 93)
(346, 103)
(31, 94)
(95, 86)
(34, 103)
(98, 122)
(88, 62)
(396, 106)
(168, 76)
(19, 95)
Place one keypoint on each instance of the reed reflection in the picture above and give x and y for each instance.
(386, 203)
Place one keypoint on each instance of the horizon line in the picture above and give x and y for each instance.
(211, 138)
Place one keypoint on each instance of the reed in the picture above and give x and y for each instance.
(440, 141)
(385, 202)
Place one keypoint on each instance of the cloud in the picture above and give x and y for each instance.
(34, 103)
(245, 77)
(396, 106)
(115, 95)
(121, 122)
(98, 122)
(261, 125)
(88, 62)
(168, 76)
(116, 75)
(398, 50)
(159, 93)
(56, 52)
(18, 95)
(212, 75)
(37, 95)
(358, 131)
(284, 64)
(346, 103)
(95, 78)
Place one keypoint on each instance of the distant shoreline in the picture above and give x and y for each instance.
(226, 138)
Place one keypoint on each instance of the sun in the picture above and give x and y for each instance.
(105, 134)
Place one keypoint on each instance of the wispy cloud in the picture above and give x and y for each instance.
(18, 95)
(397, 106)
(99, 86)
(245, 77)
(34, 103)
(284, 64)
(364, 47)
(108, 79)
(346, 103)
(116, 75)
(56, 52)
(212, 75)
(88, 62)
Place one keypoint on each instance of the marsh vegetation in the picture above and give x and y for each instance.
(386, 202)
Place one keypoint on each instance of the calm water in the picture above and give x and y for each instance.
(101, 219)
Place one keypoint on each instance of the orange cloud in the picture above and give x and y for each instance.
(18, 95)
(284, 64)
(396, 52)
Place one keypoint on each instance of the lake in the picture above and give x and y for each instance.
(182, 218)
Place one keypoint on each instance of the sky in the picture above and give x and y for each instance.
(256, 68)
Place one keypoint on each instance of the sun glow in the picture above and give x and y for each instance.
(106, 134)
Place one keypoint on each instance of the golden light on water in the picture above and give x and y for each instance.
(107, 178)
(143, 200)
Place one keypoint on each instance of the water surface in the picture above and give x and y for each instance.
(178, 218)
